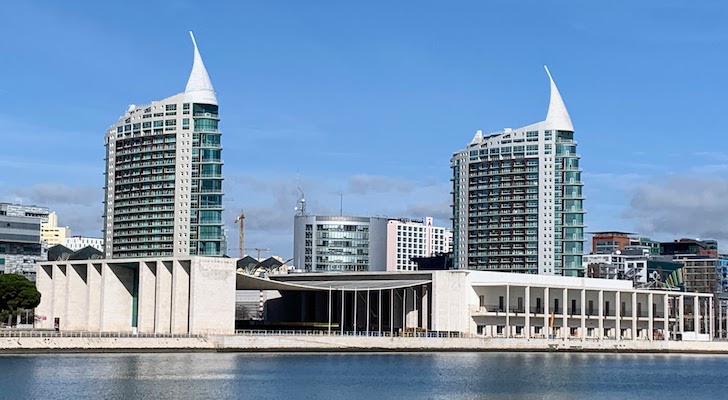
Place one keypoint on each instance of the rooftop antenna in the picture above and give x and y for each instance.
(341, 204)
(301, 204)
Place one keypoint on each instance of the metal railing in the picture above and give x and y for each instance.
(337, 332)
(9, 333)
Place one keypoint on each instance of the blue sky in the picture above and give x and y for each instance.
(370, 99)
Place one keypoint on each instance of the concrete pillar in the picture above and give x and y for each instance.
(147, 296)
(600, 335)
(527, 317)
(681, 305)
(180, 296)
(367, 308)
(93, 294)
(404, 310)
(391, 312)
(650, 318)
(76, 307)
(328, 309)
(117, 282)
(666, 311)
(564, 316)
(60, 292)
(546, 313)
(163, 301)
(354, 324)
(425, 307)
(618, 316)
(634, 316)
(711, 325)
(44, 284)
(720, 319)
(508, 311)
(696, 315)
(582, 300)
(379, 314)
(416, 307)
(343, 303)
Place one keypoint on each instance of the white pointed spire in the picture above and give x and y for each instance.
(557, 117)
(199, 87)
(478, 137)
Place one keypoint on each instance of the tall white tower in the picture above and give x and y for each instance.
(517, 198)
(164, 175)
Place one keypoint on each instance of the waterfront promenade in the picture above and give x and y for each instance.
(291, 341)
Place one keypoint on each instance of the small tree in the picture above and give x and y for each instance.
(16, 293)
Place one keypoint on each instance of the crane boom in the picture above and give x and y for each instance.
(241, 232)
(258, 249)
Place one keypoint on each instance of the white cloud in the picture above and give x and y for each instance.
(681, 206)
(364, 184)
(79, 207)
(54, 193)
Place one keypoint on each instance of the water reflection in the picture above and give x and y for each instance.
(353, 376)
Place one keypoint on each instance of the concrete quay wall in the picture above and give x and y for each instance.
(399, 344)
(324, 343)
(9, 345)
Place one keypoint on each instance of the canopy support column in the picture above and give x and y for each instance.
(379, 316)
(368, 306)
(329, 310)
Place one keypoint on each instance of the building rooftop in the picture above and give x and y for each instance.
(615, 233)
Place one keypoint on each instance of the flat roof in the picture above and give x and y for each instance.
(325, 282)
(612, 233)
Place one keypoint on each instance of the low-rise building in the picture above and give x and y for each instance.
(196, 295)
(79, 242)
(609, 242)
(636, 265)
(690, 246)
(484, 303)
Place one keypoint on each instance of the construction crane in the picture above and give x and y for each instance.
(258, 249)
(241, 232)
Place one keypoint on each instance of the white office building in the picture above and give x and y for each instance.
(330, 243)
(407, 238)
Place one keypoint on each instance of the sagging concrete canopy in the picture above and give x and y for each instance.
(362, 301)
(319, 282)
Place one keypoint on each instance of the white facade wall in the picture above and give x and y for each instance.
(451, 295)
(179, 295)
(495, 304)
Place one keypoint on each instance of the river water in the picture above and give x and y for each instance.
(364, 376)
